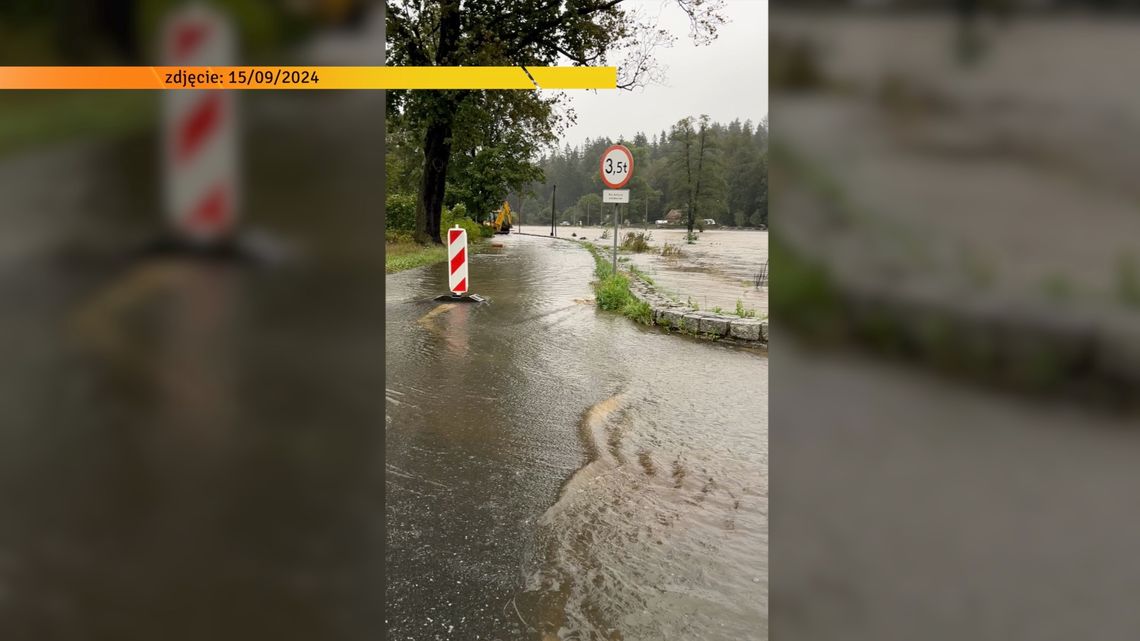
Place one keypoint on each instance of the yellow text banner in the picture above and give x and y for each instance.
(307, 78)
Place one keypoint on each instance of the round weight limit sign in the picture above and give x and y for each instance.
(617, 166)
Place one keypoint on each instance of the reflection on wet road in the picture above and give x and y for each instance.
(558, 472)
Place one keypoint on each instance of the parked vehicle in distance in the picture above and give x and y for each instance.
(661, 223)
(709, 222)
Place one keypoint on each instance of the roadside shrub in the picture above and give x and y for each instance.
(613, 293)
(475, 231)
(744, 313)
(398, 236)
(400, 210)
(458, 214)
(602, 268)
(639, 311)
(637, 242)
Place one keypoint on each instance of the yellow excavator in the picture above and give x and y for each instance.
(502, 222)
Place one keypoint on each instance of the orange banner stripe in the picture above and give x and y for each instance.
(306, 78)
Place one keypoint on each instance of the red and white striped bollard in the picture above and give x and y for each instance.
(457, 260)
(200, 147)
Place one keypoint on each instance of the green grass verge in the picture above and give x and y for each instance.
(409, 255)
(31, 118)
(642, 276)
(612, 290)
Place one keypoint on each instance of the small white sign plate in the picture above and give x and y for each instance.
(615, 195)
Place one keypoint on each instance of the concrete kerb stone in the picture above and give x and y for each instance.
(714, 325)
(691, 323)
(748, 329)
(669, 317)
(672, 315)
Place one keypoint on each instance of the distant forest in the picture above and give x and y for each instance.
(733, 185)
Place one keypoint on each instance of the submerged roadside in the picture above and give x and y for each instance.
(635, 296)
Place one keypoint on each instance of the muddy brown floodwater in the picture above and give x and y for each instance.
(557, 472)
(719, 269)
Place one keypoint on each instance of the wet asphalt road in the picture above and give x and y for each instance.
(554, 471)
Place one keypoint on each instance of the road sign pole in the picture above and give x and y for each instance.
(553, 198)
(616, 168)
(616, 208)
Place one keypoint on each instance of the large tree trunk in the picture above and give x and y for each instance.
(437, 154)
(437, 138)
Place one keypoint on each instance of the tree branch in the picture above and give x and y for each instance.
(535, 34)
(417, 53)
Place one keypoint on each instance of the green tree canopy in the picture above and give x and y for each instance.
(524, 32)
(734, 192)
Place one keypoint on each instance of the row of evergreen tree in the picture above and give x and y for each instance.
(734, 178)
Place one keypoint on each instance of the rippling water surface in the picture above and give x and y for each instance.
(556, 472)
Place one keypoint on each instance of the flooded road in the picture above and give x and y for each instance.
(719, 270)
(556, 472)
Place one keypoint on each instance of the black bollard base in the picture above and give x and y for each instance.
(461, 298)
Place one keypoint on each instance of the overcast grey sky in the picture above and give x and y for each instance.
(726, 79)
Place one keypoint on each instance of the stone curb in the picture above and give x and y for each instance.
(673, 316)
